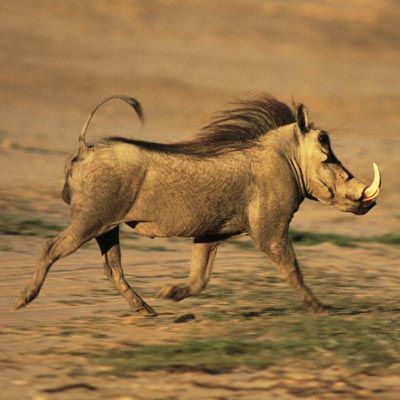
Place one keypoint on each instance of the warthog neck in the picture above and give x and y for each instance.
(299, 177)
(284, 142)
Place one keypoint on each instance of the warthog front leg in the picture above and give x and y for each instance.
(61, 246)
(203, 255)
(283, 257)
(110, 249)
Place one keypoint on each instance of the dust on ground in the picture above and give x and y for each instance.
(246, 336)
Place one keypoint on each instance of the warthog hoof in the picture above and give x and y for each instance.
(20, 303)
(174, 292)
(25, 298)
(143, 308)
(316, 308)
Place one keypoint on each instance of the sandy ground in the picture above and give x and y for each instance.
(184, 61)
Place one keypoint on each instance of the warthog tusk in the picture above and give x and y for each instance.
(372, 191)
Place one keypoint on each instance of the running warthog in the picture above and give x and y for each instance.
(245, 173)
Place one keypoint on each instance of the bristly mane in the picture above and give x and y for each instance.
(232, 130)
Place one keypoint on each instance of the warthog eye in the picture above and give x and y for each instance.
(323, 138)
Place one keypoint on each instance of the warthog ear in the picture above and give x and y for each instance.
(302, 118)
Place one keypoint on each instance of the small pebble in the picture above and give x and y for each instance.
(185, 318)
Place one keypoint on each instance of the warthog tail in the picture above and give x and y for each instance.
(130, 100)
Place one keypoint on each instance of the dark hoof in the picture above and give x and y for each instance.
(25, 298)
(316, 308)
(20, 303)
(145, 309)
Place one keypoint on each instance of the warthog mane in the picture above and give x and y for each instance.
(231, 130)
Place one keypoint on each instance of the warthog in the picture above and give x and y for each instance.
(245, 173)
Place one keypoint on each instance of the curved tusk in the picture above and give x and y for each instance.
(372, 191)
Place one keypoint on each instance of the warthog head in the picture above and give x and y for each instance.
(324, 177)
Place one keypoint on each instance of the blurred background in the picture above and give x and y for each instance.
(185, 60)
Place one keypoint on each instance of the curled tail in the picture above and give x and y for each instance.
(130, 100)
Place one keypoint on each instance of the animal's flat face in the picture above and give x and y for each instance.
(326, 179)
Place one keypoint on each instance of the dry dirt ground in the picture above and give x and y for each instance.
(246, 336)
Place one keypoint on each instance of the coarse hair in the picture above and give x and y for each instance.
(234, 129)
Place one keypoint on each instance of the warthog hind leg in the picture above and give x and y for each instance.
(64, 244)
(203, 255)
(110, 249)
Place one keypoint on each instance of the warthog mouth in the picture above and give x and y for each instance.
(364, 207)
